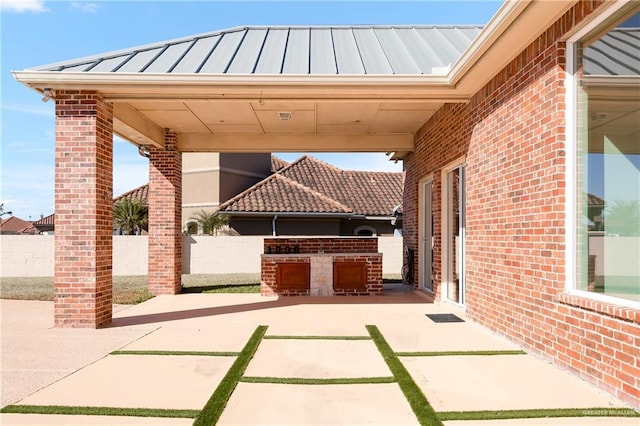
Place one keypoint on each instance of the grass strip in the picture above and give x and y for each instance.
(452, 353)
(99, 411)
(191, 353)
(277, 337)
(418, 402)
(532, 414)
(317, 381)
(218, 401)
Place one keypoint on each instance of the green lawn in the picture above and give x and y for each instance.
(128, 290)
(132, 289)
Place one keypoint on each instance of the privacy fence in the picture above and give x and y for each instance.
(32, 255)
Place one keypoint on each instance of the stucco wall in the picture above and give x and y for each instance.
(32, 255)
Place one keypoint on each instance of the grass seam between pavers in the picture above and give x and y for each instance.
(423, 411)
(99, 411)
(319, 381)
(465, 353)
(282, 337)
(538, 413)
(172, 353)
(216, 404)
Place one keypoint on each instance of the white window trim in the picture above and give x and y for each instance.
(571, 141)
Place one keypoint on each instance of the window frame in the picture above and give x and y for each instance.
(594, 28)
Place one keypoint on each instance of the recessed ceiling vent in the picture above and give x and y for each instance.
(284, 115)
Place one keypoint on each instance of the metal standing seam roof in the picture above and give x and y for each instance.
(349, 50)
(615, 53)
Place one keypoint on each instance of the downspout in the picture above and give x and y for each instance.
(273, 225)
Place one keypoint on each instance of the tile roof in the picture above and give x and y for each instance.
(47, 220)
(310, 185)
(14, 225)
(140, 193)
(277, 163)
(319, 50)
(279, 194)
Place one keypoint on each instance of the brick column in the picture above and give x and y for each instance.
(165, 218)
(83, 208)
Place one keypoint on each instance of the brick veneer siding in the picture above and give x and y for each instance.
(512, 134)
(165, 218)
(83, 207)
(327, 245)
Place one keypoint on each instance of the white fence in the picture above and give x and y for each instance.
(32, 255)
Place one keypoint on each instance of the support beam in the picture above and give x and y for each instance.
(165, 218)
(197, 142)
(135, 127)
(83, 207)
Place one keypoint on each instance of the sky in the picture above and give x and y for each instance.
(37, 32)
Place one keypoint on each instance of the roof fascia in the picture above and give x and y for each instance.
(514, 26)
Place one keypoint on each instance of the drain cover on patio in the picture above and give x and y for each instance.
(444, 318)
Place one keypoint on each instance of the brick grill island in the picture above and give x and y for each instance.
(348, 266)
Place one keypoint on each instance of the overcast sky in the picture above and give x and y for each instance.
(35, 32)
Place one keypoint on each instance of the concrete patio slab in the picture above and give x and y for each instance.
(421, 334)
(205, 339)
(556, 421)
(34, 354)
(317, 359)
(500, 382)
(266, 404)
(63, 420)
(139, 381)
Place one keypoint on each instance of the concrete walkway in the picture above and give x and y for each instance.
(46, 366)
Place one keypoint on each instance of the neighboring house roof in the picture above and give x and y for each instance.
(594, 201)
(322, 50)
(277, 163)
(46, 220)
(615, 53)
(14, 225)
(309, 185)
(281, 194)
(140, 193)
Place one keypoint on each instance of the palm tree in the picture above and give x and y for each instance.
(130, 216)
(210, 222)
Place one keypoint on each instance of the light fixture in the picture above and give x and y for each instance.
(143, 151)
(48, 94)
(284, 115)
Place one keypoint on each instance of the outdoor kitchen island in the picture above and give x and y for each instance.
(317, 266)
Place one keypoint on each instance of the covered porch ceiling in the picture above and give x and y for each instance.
(221, 104)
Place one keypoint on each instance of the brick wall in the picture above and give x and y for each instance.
(327, 245)
(512, 134)
(165, 218)
(83, 203)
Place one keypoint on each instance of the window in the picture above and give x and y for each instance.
(605, 63)
(365, 231)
